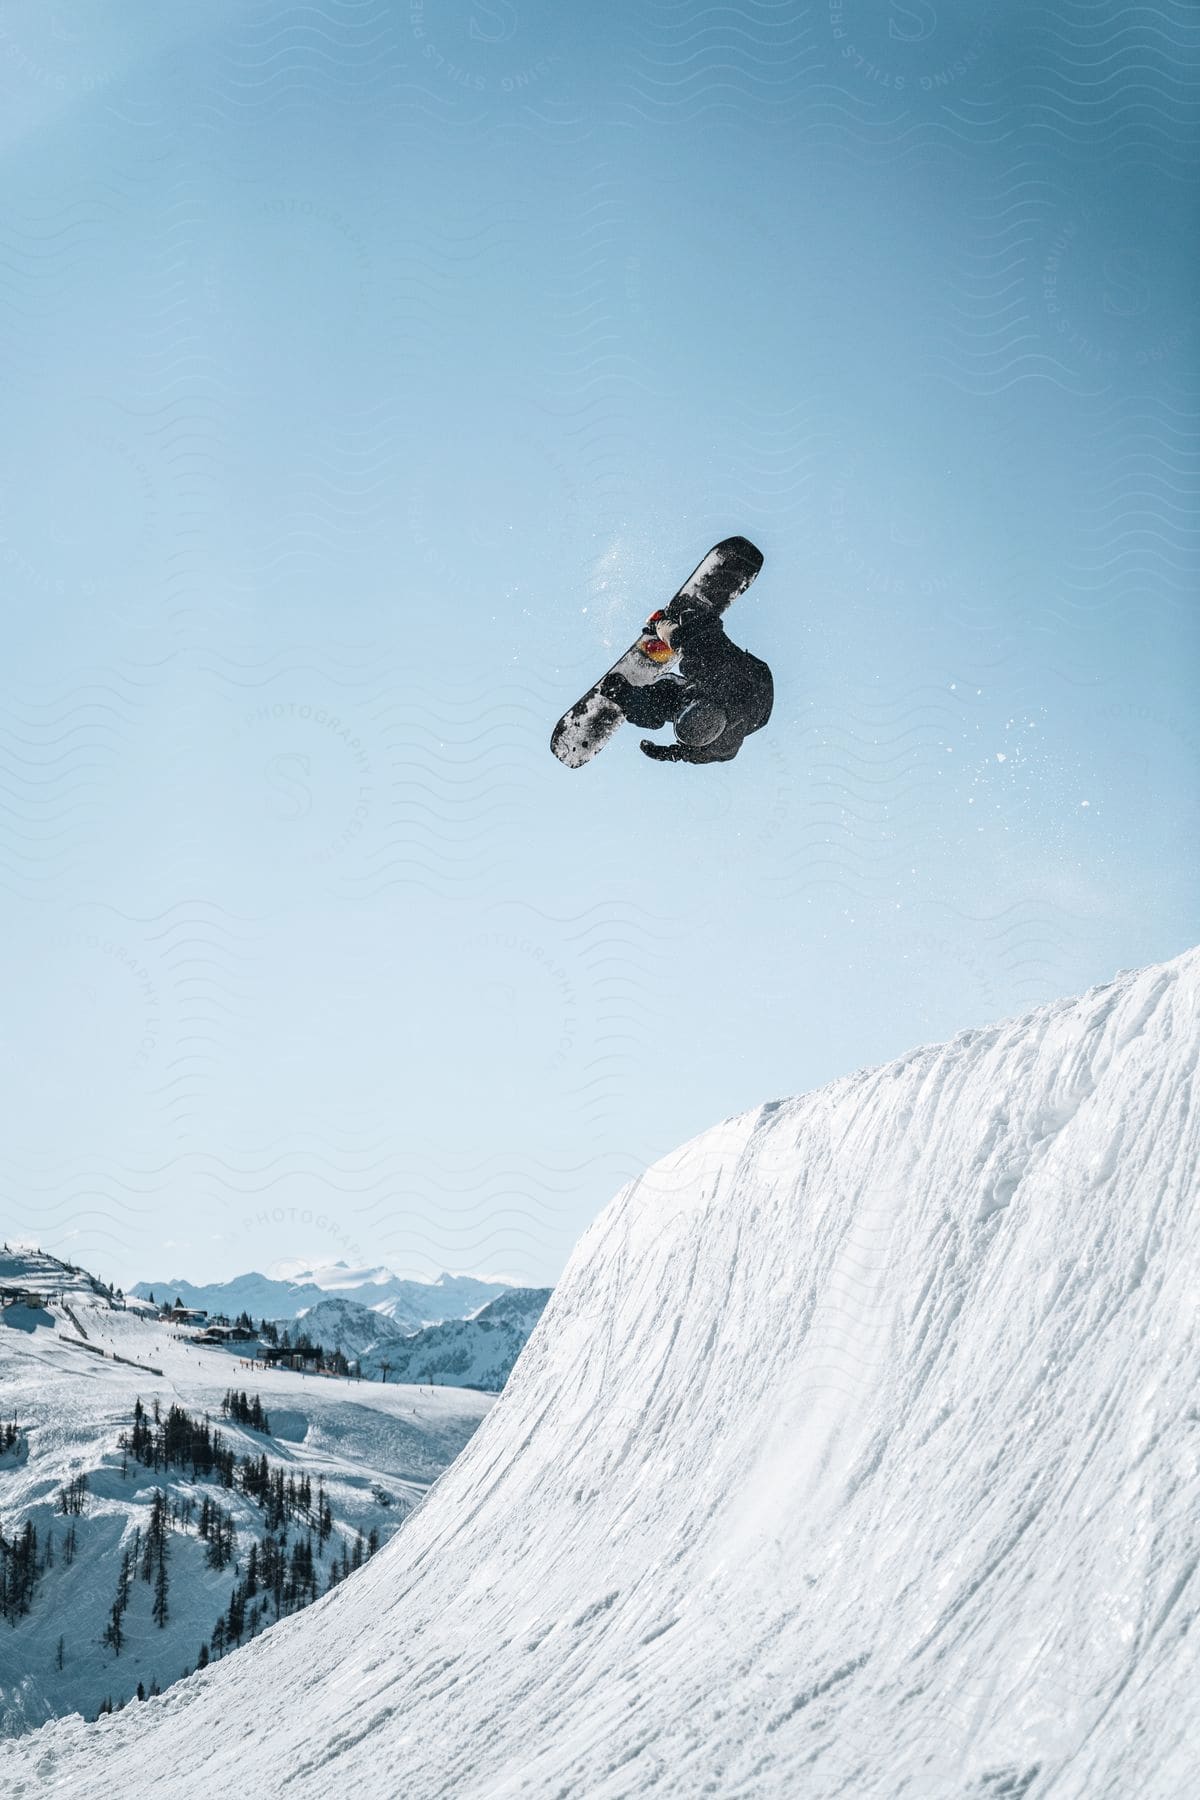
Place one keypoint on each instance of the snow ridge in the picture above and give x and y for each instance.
(855, 1456)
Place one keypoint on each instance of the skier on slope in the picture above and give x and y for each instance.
(721, 694)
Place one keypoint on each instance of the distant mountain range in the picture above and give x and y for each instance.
(476, 1352)
(296, 1288)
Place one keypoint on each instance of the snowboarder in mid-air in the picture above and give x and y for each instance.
(718, 697)
(721, 694)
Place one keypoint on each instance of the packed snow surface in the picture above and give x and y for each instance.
(857, 1454)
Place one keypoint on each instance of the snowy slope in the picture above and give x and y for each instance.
(857, 1454)
(374, 1451)
(293, 1286)
(36, 1272)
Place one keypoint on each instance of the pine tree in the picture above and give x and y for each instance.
(71, 1498)
(235, 1622)
(129, 1562)
(160, 1610)
(114, 1634)
(20, 1572)
(155, 1553)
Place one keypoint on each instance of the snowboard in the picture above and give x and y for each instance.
(724, 573)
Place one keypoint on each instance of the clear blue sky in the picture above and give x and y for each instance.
(369, 372)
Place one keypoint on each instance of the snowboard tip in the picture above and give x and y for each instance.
(744, 550)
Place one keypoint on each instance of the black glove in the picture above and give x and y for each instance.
(665, 752)
(693, 621)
